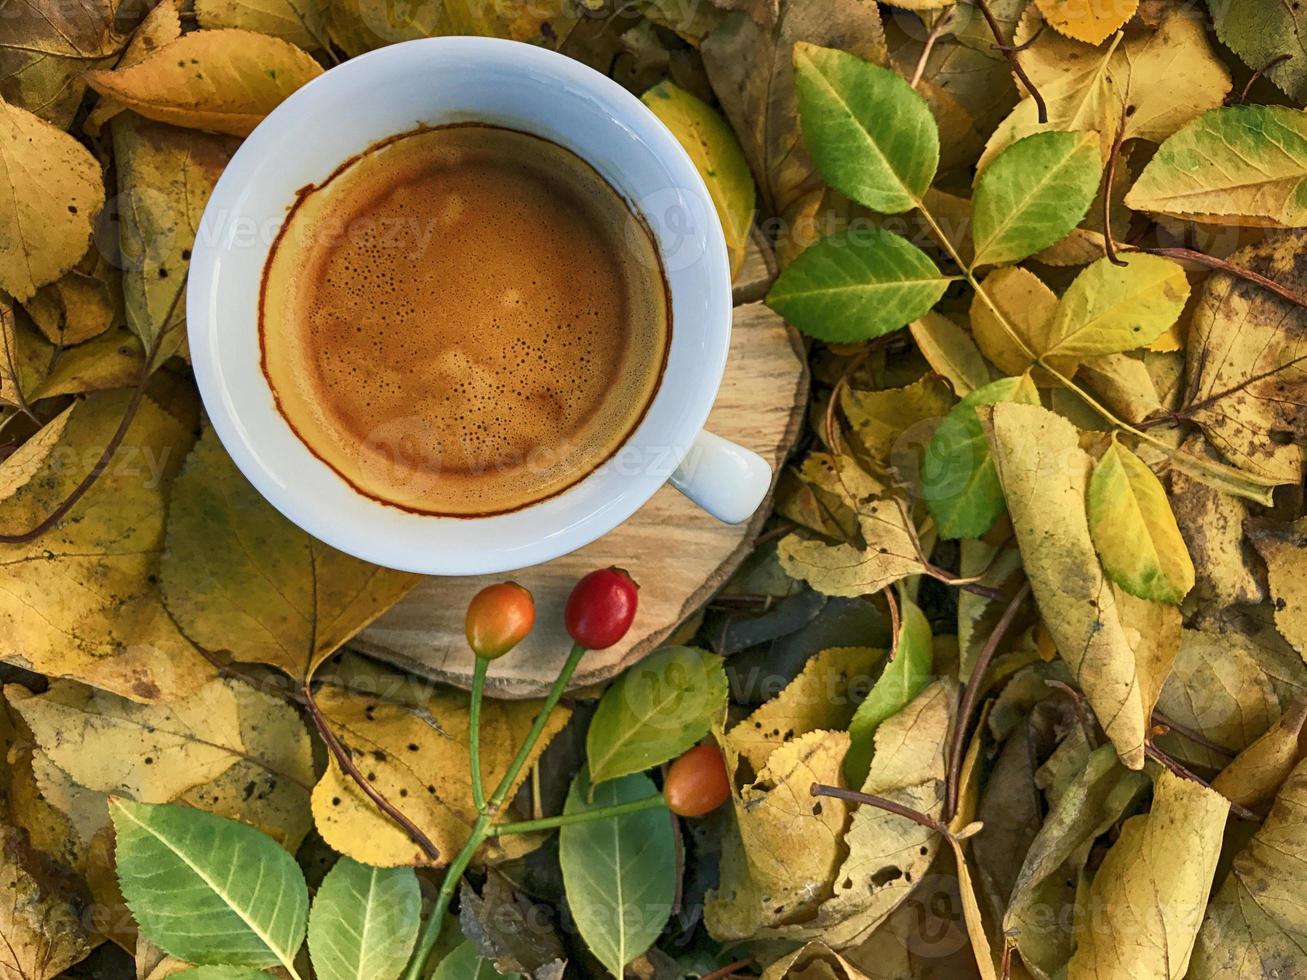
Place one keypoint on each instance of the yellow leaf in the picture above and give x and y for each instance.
(83, 304)
(364, 25)
(162, 25)
(1134, 530)
(1283, 550)
(225, 81)
(240, 578)
(1090, 21)
(1257, 772)
(301, 22)
(152, 753)
(813, 961)
(823, 696)
(1111, 308)
(879, 420)
(82, 601)
(165, 177)
(961, 827)
(889, 554)
(24, 358)
(951, 352)
(788, 846)
(1147, 898)
(41, 929)
(416, 756)
(112, 360)
(1044, 474)
(1012, 301)
(51, 195)
(717, 156)
(1123, 383)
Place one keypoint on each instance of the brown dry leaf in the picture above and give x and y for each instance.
(82, 600)
(112, 360)
(162, 25)
(417, 758)
(823, 696)
(813, 961)
(358, 26)
(225, 81)
(165, 177)
(152, 963)
(1090, 21)
(1012, 299)
(751, 70)
(301, 22)
(1211, 523)
(41, 933)
(83, 304)
(1044, 474)
(152, 753)
(240, 578)
(1284, 549)
(1147, 898)
(1256, 774)
(1247, 379)
(1218, 687)
(45, 48)
(951, 353)
(52, 193)
(878, 420)
(888, 854)
(779, 868)
(1257, 923)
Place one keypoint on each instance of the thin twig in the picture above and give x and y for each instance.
(1157, 755)
(346, 763)
(1198, 738)
(935, 34)
(1252, 79)
(1010, 53)
(971, 695)
(1027, 43)
(721, 973)
(1221, 265)
(828, 426)
(889, 806)
(1005, 969)
(1109, 175)
(893, 604)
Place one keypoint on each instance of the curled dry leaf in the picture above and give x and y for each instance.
(225, 81)
(1145, 906)
(162, 25)
(53, 192)
(814, 959)
(84, 303)
(416, 756)
(1045, 475)
(880, 420)
(240, 578)
(82, 601)
(1256, 774)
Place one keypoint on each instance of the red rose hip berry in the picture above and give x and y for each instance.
(600, 609)
(498, 618)
(697, 783)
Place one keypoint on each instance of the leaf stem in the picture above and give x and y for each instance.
(881, 803)
(346, 763)
(1198, 738)
(483, 828)
(474, 733)
(564, 819)
(971, 695)
(1010, 52)
(1157, 755)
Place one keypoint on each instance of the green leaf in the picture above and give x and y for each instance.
(221, 973)
(1034, 194)
(900, 682)
(958, 479)
(871, 136)
(206, 889)
(1113, 308)
(1236, 165)
(655, 711)
(857, 285)
(1134, 530)
(364, 922)
(619, 873)
(465, 963)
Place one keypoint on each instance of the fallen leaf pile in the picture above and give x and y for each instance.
(1015, 684)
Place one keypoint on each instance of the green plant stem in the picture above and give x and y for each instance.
(474, 733)
(562, 820)
(484, 826)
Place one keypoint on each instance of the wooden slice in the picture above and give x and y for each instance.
(677, 553)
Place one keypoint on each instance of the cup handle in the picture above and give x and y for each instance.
(726, 480)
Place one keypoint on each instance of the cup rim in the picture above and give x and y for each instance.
(430, 544)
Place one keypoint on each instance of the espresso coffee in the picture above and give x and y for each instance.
(463, 320)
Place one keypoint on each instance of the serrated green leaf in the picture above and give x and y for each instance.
(221, 973)
(364, 922)
(1034, 194)
(1134, 529)
(655, 711)
(1111, 308)
(1244, 165)
(958, 479)
(619, 873)
(857, 285)
(465, 963)
(871, 136)
(206, 889)
(900, 682)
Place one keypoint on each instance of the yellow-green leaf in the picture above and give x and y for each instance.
(1111, 308)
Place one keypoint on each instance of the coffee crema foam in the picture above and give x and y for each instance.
(463, 320)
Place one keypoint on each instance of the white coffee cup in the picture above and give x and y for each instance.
(433, 82)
